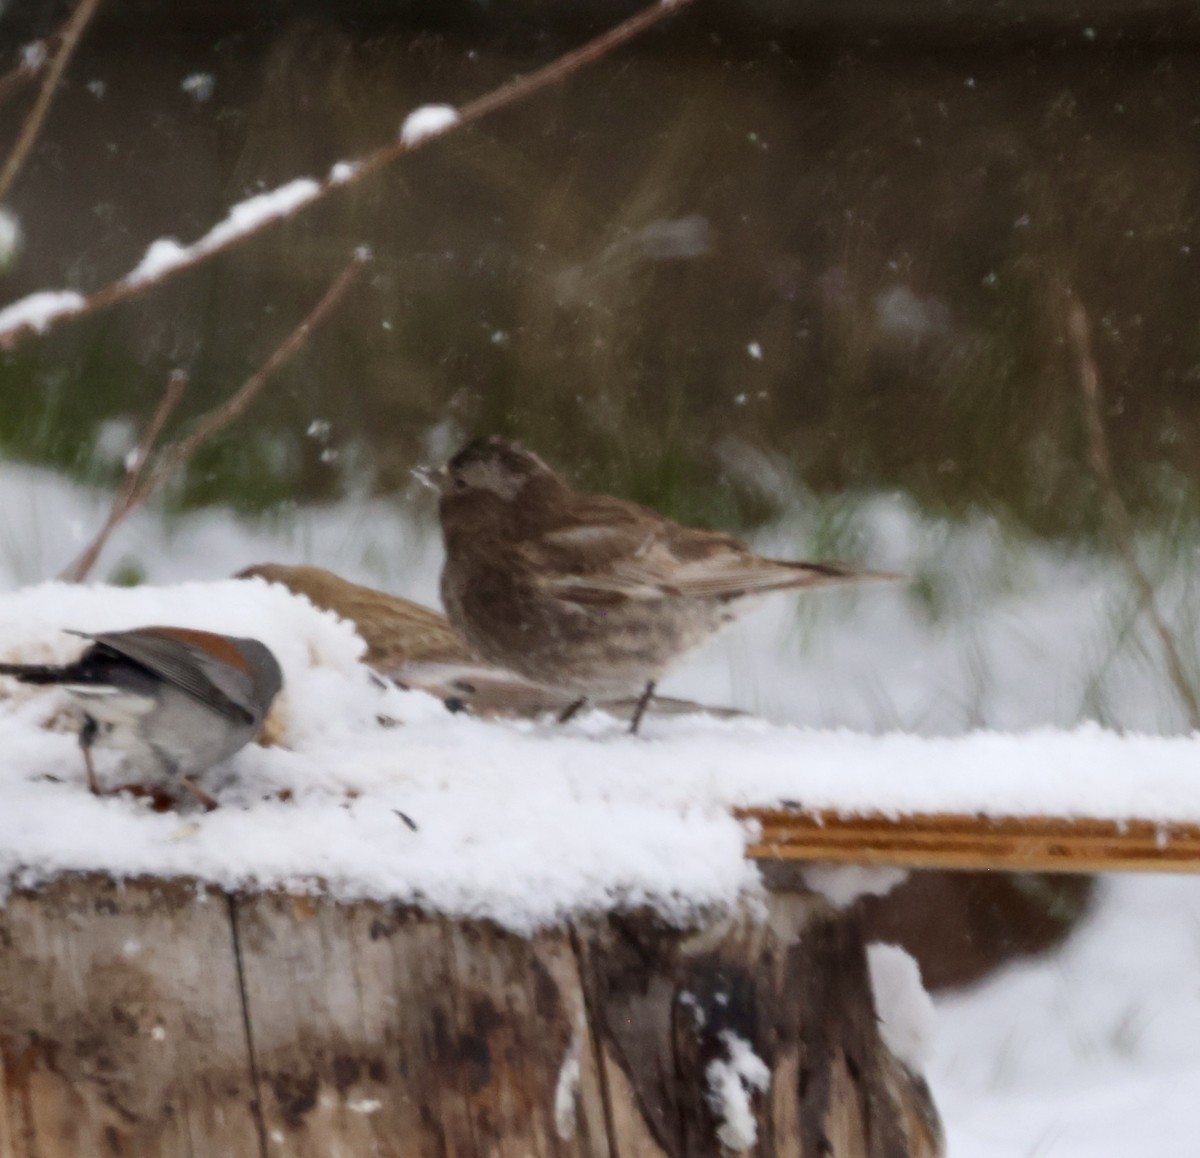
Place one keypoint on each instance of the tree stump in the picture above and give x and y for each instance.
(168, 1019)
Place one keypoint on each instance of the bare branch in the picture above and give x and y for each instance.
(72, 30)
(140, 483)
(42, 311)
(1117, 514)
(122, 503)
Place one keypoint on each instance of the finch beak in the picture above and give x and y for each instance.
(431, 476)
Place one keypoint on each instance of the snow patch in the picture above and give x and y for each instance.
(199, 86)
(34, 55)
(427, 121)
(907, 1018)
(842, 884)
(342, 172)
(161, 256)
(10, 237)
(732, 1081)
(38, 310)
(249, 214)
(566, 1092)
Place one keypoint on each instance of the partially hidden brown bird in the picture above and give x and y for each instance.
(417, 647)
(588, 593)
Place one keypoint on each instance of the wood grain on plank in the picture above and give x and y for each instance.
(959, 841)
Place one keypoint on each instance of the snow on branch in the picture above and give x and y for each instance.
(166, 257)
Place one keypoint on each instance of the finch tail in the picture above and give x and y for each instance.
(827, 574)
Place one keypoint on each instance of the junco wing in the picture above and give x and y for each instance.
(216, 677)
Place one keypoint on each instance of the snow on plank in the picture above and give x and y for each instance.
(530, 824)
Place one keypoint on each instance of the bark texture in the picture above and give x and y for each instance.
(170, 1019)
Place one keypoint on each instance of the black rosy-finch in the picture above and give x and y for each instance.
(172, 700)
(588, 593)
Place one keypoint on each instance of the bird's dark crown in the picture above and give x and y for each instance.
(491, 469)
(509, 456)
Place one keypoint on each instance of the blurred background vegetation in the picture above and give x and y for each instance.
(765, 241)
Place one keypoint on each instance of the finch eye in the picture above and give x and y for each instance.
(460, 484)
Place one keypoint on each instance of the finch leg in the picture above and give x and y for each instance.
(87, 736)
(571, 709)
(199, 793)
(642, 704)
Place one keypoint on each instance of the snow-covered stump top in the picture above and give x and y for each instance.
(527, 824)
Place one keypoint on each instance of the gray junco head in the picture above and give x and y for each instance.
(583, 592)
(172, 700)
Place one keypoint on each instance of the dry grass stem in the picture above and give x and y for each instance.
(1120, 524)
(68, 39)
(79, 570)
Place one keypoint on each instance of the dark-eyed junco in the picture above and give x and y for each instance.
(416, 647)
(172, 700)
(591, 594)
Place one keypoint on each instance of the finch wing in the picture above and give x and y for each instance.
(612, 552)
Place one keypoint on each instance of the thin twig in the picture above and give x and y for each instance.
(215, 421)
(142, 483)
(79, 570)
(48, 314)
(71, 32)
(1120, 524)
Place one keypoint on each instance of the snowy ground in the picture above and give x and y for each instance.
(1092, 1052)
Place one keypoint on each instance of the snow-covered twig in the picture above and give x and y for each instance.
(68, 39)
(142, 483)
(166, 257)
(122, 504)
(1120, 525)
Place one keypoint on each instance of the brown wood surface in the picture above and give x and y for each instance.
(946, 840)
(168, 1019)
(121, 1029)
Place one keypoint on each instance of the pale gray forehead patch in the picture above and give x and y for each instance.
(492, 476)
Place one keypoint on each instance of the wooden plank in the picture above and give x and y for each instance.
(378, 1031)
(955, 841)
(121, 1030)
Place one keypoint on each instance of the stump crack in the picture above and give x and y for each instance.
(256, 1105)
(593, 1017)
